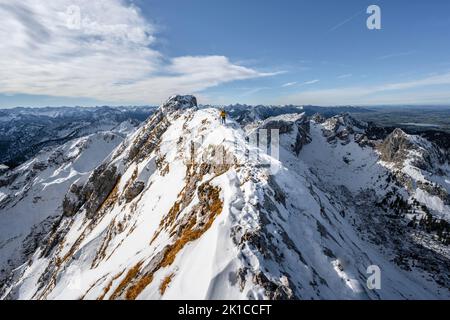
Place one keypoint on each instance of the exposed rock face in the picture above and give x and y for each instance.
(340, 127)
(318, 118)
(363, 140)
(133, 190)
(395, 148)
(399, 146)
(272, 290)
(296, 124)
(93, 194)
(99, 187)
(156, 125)
(302, 137)
(179, 102)
(148, 138)
(73, 200)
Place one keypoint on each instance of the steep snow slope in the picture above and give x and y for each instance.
(30, 195)
(359, 185)
(187, 208)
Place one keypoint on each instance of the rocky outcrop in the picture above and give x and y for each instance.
(296, 124)
(318, 118)
(363, 140)
(341, 127)
(133, 190)
(302, 137)
(399, 147)
(93, 194)
(395, 148)
(73, 200)
(154, 128)
(179, 102)
(99, 187)
(148, 138)
(273, 290)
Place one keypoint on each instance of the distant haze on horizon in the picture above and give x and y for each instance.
(392, 107)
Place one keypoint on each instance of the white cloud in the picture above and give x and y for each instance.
(289, 84)
(110, 57)
(344, 76)
(399, 92)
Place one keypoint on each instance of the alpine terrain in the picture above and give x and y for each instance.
(271, 205)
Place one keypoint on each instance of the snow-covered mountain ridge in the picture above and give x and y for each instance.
(187, 208)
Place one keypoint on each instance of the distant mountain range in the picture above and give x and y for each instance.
(26, 131)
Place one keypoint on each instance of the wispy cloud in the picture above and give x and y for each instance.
(289, 84)
(111, 57)
(297, 84)
(384, 93)
(311, 82)
(343, 76)
(396, 55)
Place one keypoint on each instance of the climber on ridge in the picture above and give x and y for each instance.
(223, 116)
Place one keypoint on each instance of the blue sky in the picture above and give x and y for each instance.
(255, 52)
